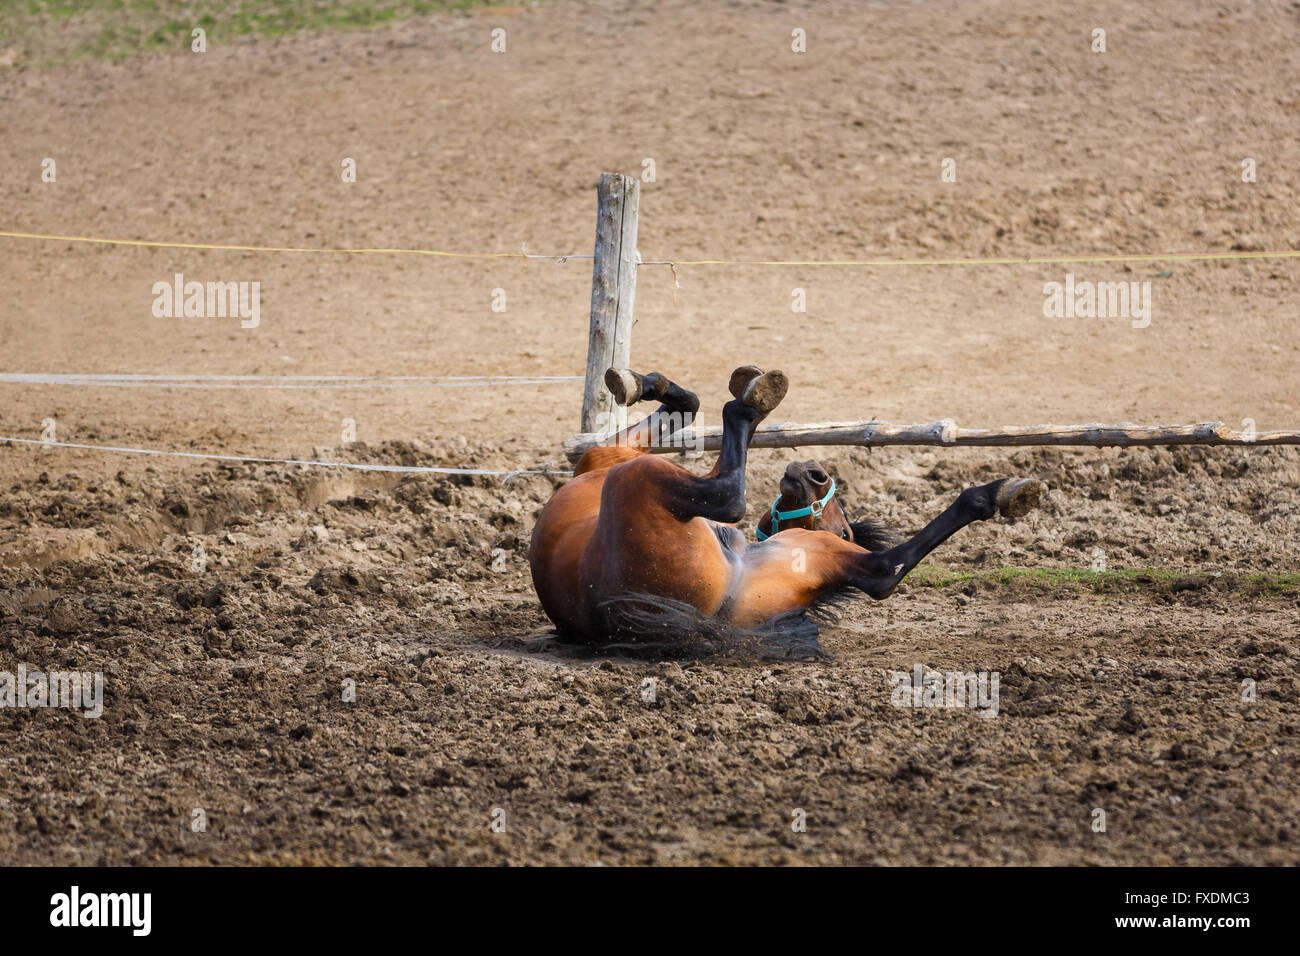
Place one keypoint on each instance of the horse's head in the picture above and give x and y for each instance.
(807, 501)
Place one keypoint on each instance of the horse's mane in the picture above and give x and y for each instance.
(873, 535)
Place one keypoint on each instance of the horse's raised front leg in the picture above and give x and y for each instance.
(720, 495)
(879, 572)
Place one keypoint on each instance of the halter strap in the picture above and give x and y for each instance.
(815, 509)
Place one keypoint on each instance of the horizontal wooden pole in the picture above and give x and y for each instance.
(875, 434)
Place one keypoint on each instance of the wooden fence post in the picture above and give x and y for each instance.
(613, 294)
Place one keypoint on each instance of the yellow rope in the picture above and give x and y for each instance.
(1008, 261)
(525, 255)
(231, 248)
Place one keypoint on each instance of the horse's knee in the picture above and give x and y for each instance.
(724, 498)
(732, 512)
(719, 504)
(718, 498)
(875, 577)
(878, 589)
(677, 398)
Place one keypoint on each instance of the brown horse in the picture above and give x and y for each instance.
(636, 548)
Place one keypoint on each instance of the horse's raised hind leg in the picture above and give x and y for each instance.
(676, 410)
(879, 572)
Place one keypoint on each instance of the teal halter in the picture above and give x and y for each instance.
(814, 509)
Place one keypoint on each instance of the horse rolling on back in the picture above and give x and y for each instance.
(636, 548)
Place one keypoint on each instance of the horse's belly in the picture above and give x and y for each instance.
(776, 577)
(684, 561)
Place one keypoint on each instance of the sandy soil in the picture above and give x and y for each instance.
(224, 686)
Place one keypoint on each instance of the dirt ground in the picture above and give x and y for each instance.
(224, 686)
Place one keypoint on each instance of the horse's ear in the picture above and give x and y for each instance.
(873, 535)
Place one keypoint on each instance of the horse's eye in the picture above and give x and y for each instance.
(845, 535)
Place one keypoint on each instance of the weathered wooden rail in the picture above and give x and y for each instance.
(875, 434)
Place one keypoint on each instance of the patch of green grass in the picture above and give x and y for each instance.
(48, 32)
(1160, 580)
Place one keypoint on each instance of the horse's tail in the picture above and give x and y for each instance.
(649, 621)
